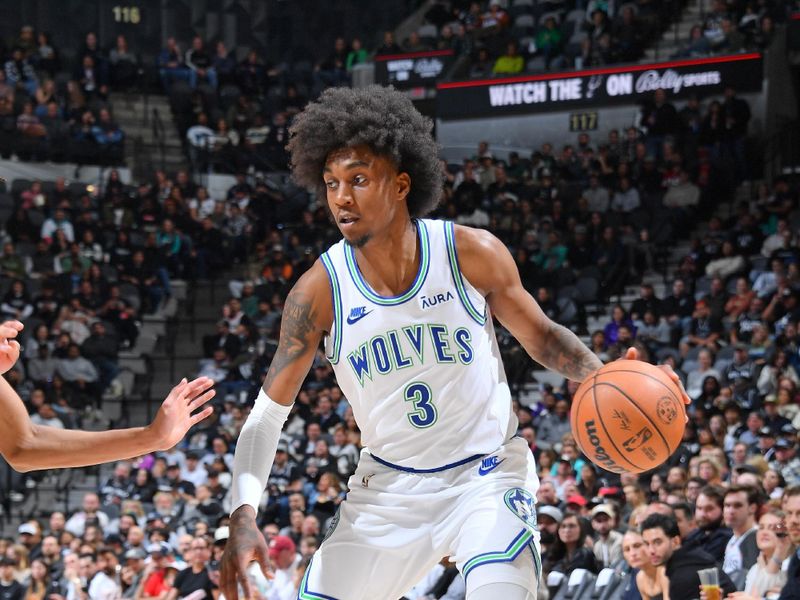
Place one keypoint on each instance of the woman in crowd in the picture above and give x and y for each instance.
(569, 551)
(39, 582)
(773, 371)
(769, 574)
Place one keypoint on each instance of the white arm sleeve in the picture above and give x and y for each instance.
(255, 450)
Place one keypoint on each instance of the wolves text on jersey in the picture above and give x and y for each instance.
(395, 349)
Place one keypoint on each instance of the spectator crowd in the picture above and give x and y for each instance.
(53, 110)
(508, 38)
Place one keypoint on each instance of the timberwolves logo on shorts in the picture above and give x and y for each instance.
(521, 503)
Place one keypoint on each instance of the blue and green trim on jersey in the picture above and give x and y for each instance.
(458, 279)
(422, 272)
(336, 292)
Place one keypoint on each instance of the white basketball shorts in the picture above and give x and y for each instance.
(395, 526)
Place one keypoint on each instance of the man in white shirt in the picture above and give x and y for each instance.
(57, 221)
(626, 199)
(46, 416)
(91, 510)
(596, 195)
(194, 472)
(284, 557)
(739, 510)
(104, 584)
(608, 547)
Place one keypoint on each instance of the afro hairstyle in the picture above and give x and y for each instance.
(380, 118)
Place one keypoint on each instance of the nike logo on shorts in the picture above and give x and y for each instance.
(488, 465)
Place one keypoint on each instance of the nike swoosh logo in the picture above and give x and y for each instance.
(351, 320)
(486, 470)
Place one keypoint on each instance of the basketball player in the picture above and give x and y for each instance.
(28, 447)
(404, 306)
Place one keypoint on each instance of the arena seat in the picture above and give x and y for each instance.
(577, 587)
(608, 580)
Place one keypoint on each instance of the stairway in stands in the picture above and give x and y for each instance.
(168, 348)
(152, 141)
(677, 35)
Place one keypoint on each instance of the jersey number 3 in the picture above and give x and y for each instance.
(424, 413)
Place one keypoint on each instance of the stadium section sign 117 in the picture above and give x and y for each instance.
(597, 87)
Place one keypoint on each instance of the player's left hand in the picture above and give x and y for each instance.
(175, 416)
(633, 354)
(9, 347)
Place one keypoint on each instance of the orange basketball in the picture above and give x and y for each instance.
(628, 416)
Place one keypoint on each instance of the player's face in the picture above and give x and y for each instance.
(365, 192)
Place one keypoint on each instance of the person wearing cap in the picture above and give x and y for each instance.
(284, 556)
(27, 447)
(548, 518)
(772, 418)
(132, 570)
(30, 536)
(195, 577)
(185, 489)
(786, 462)
(740, 366)
(608, 546)
(577, 504)
(157, 577)
(766, 444)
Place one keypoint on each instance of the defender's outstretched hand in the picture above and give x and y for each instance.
(633, 354)
(9, 347)
(175, 417)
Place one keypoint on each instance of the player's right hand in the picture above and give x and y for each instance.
(9, 347)
(245, 544)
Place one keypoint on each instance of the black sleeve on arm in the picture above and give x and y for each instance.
(728, 587)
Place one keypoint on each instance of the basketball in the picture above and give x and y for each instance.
(628, 416)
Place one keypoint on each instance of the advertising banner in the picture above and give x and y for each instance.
(414, 69)
(592, 88)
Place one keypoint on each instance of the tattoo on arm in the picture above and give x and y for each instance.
(297, 323)
(563, 352)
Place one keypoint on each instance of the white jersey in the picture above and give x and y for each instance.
(422, 370)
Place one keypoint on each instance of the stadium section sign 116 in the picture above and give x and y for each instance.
(412, 69)
(597, 87)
